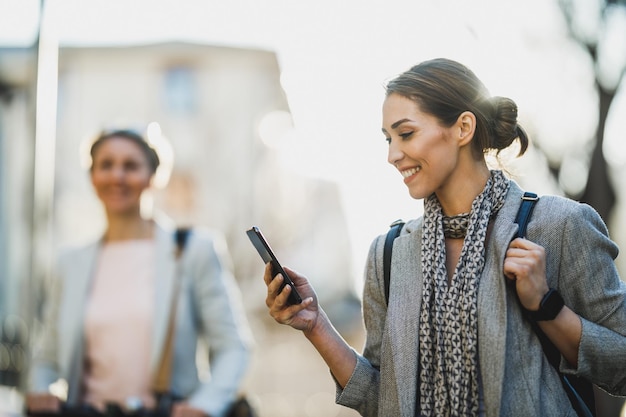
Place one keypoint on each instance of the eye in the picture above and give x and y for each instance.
(406, 135)
(388, 140)
(132, 165)
(103, 164)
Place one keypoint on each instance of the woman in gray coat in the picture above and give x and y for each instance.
(457, 338)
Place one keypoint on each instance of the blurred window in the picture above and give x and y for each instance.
(180, 91)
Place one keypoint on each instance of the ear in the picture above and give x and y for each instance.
(466, 125)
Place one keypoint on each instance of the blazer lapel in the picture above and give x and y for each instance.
(164, 287)
(492, 304)
(403, 315)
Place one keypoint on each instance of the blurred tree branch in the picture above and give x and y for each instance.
(599, 192)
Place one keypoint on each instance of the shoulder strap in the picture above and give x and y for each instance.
(392, 234)
(525, 210)
(180, 237)
(161, 382)
(579, 391)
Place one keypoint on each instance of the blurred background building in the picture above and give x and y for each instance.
(217, 107)
(271, 110)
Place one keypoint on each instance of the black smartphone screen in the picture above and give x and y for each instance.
(264, 249)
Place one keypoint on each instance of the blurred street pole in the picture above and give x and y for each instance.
(45, 141)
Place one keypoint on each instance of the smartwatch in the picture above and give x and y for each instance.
(551, 304)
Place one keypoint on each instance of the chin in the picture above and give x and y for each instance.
(122, 210)
(418, 194)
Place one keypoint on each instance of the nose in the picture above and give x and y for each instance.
(118, 173)
(394, 153)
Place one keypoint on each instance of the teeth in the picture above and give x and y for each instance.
(409, 172)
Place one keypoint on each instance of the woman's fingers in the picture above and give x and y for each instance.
(299, 316)
(276, 297)
(525, 263)
(267, 276)
(524, 252)
(275, 288)
(280, 306)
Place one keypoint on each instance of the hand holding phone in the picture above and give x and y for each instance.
(264, 249)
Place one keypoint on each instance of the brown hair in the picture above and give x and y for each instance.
(149, 151)
(446, 88)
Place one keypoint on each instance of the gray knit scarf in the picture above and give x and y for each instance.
(448, 332)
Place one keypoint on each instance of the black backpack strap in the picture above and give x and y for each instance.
(579, 390)
(525, 210)
(180, 237)
(392, 234)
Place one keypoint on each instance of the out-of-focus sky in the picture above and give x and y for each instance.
(335, 57)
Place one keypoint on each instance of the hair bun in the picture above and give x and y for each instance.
(504, 125)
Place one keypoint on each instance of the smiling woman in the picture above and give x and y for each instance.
(123, 165)
(171, 290)
(155, 147)
(460, 331)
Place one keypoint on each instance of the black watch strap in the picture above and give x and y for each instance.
(551, 304)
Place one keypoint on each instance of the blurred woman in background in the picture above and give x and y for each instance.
(109, 308)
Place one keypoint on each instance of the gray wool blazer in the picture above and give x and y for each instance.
(209, 309)
(516, 378)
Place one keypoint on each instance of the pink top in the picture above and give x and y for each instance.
(118, 324)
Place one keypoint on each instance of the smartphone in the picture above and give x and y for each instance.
(264, 249)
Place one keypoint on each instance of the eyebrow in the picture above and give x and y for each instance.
(396, 124)
(399, 122)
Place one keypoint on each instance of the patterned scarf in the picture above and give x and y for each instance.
(448, 320)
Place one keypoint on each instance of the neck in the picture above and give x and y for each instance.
(128, 227)
(462, 188)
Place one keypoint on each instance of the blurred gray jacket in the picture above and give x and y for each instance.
(209, 308)
(517, 379)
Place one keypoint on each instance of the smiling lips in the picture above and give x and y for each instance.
(408, 173)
